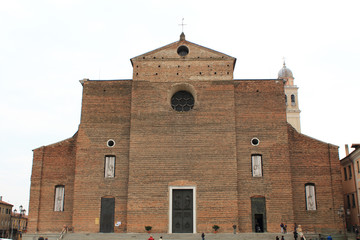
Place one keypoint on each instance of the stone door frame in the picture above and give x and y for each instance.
(171, 188)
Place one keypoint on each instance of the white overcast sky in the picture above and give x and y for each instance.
(46, 47)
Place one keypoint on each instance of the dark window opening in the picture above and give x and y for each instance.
(111, 143)
(353, 200)
(345, 174)
(183, 51)
(292, 99)
(255, 141)
(182, 101)
(350, 172)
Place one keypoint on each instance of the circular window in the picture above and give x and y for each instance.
(182, 101)
(183, 50)
(110, 143)
(255, 141)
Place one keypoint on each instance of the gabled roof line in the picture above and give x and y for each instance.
(184, 41)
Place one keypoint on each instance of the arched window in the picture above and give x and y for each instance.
(59, 198)
(256, 165)
(310, 196)
(292, 99)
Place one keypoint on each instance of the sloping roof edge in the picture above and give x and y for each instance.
(59, 142)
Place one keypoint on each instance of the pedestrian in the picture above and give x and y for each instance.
(203, 236)
(160, 238)
(150, 238)
(282, 238)
(234, 227)
(295, 235)
(329, 237)
(299, 231)
(277, 238)
(282, 227)
(285, 228)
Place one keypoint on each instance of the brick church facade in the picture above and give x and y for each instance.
(181, 147)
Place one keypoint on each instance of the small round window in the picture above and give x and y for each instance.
(110, 143)
(182, 101)
(183, 50)
(255, 141)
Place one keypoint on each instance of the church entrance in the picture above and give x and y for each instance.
(107, 215)
(182, 211)
(258, 212)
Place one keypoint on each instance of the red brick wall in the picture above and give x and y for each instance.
(207, 148)
(105, 115)
(260, 112)
(52, 165)
(315, 162)
(196, 146)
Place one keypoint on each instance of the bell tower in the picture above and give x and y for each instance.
(291, 97)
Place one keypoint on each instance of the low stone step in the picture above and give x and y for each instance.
(181, 236)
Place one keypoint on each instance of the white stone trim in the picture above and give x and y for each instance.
(171, 188)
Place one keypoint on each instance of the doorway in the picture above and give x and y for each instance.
(259, 223)
(258, 212)
(182, 211)
(107, 215)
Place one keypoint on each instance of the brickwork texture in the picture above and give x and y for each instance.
(208, 149)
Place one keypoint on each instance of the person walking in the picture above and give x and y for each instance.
(203, 236)
(295, 235)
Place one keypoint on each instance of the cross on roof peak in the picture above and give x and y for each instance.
(182, 25)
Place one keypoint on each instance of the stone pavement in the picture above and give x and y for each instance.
(179, 236)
